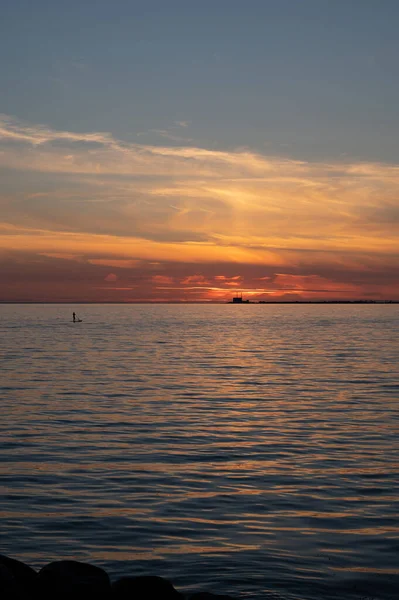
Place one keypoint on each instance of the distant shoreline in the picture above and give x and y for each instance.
(317, 302)
(111, 302)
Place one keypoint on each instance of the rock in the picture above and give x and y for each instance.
(62, 579)
(7, 583)
(17, 580)
(144, 588)
(209, 596)
(70, 579)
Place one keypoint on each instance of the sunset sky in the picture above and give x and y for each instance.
(170, 150)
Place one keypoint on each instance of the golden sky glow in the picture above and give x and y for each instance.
(85, 216)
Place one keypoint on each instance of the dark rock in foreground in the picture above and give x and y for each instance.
(66, 579)
(209, 596)
(17, 580)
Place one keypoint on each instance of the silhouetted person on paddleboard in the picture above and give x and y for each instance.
(74, 317)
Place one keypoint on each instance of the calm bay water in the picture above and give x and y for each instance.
(249, 450)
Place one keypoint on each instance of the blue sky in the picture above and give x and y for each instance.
(181, 150)
(305, 78)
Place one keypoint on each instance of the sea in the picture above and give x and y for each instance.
(249, 450)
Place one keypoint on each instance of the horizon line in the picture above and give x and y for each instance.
(358, 301)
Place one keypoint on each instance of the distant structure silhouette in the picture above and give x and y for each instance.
(239, 300)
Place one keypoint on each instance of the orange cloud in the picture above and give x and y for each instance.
(311, 285)
(191, 279)
(162, 280)
(230, 281)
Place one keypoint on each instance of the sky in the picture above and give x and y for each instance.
(184, 151)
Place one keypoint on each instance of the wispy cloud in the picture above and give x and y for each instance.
(170, 133)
